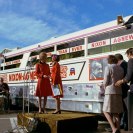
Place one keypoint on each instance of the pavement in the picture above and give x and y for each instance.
(8, 124)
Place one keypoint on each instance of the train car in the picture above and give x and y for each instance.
(83, 58)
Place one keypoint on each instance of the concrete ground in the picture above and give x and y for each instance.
(8, 121)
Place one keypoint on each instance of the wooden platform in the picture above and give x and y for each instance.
(58, 123)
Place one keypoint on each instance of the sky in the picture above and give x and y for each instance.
(27, 22)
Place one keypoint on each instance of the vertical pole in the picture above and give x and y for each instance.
(110, 40)
(55, 49)
(23, 98)
(86, 46)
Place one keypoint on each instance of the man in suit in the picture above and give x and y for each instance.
(125, 87)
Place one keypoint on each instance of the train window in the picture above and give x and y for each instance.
(14, 58)
(122, 39)
(71, 49)
(123, 45)
(99, 43)
(47, 50)
(98, 50)
(13, 62)
(12, 66)
(35, 54)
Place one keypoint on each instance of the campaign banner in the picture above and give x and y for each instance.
(97, 67)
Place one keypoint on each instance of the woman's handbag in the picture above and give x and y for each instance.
(56, 89)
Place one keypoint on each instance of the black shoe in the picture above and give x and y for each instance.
(57, 112)
(117, 131)
(125, 127)
(122, 126)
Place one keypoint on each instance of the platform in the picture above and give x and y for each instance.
(59, 123)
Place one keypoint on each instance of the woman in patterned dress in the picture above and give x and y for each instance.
(56, 79)
(43, 85)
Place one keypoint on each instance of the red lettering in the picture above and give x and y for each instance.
(122, 39)
(98, 44)
(22, 76)
(15, 61)
(115, 41)
(63, 51)
(8, 63)
(131, 37)
(32, 75)
(77, 48)
(64, 71)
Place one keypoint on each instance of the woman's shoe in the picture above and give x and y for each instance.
(57, 112)
(45, 112)
(40, 112)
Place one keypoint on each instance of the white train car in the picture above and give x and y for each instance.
(83, 59)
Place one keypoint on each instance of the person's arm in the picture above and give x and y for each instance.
(57, 72)
(37, 71)
(106, 77)
(49, 74)
(128, 76)
(5, 87)
(129, 71)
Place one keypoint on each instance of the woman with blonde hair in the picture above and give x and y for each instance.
(43, 89)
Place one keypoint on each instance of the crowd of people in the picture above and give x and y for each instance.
(116, 76)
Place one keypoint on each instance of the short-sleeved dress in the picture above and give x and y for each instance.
(56, 78)
(43, 84)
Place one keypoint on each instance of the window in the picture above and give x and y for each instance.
(12, 66)
(14, 58)
(71, 49)
(35, 55)
(121, 39)
(99, 43)
(13, 62)
(110, 41)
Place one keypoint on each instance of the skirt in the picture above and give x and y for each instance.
(113, 103)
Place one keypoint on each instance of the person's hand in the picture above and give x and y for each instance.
(54, 85)
(118, 83)
(45, 76)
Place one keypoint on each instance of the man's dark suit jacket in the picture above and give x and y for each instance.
(124, 86)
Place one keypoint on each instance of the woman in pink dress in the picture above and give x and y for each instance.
(56, 80)
(43, 85)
